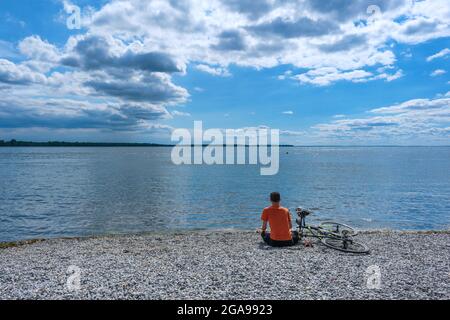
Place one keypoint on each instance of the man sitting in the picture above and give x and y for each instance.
(279, 219)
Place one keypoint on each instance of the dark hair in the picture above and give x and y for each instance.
(275, 197)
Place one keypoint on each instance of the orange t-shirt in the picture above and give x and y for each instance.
(279, 222)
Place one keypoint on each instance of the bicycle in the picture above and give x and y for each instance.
(332, 234)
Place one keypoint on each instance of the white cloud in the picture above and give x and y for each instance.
(326, 76)
(288, 112)
(438, 72)
(217, 33)
(57, 113)
(180, 113)
(413, 120)
(292, 133)
(37, 49)
(128, 50)
(155, 88)
(443, 53)
(382, 76)
(391, 77)
(18, 74)
(216, 71)
(285, 75)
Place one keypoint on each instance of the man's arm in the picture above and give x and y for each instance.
(289, 218)
(264, 219)
(264, 227)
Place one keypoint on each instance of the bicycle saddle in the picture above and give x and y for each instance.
(302, 212)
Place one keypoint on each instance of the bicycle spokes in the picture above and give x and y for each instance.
(332, 234)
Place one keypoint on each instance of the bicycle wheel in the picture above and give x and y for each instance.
(350, 246)
(338, 229)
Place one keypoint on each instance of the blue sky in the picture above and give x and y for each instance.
(336, 72)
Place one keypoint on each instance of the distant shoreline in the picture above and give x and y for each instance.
(17, 143)
(78, 144)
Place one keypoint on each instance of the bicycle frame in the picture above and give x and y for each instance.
(302, 227)
(317, 231)
(323, 234)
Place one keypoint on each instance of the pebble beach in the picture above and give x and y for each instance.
(225, 265)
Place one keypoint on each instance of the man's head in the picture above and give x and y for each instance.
(275, 197)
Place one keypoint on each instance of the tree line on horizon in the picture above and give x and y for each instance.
(18, 143)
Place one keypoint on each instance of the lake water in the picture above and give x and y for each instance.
(52, 192)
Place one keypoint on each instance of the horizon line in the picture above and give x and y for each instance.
(56, 143)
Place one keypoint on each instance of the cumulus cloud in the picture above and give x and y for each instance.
(230, 40)
(37, 49)
(421, 29)
(135, 86)
(253, 9)
(73, 114)
(343, 10)
(391, 77)
(180, 113)
(128, 51)
(17, 74)
(152, 88)
(443, 53)
(216, 71)
(304, 33)
(326, 76)
(98, 52)
(144, 112)
(438, 72)
(345, 43)
(388, 77)
(414, 119)
(302, 27)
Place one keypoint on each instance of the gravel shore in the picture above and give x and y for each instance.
(225, 265)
